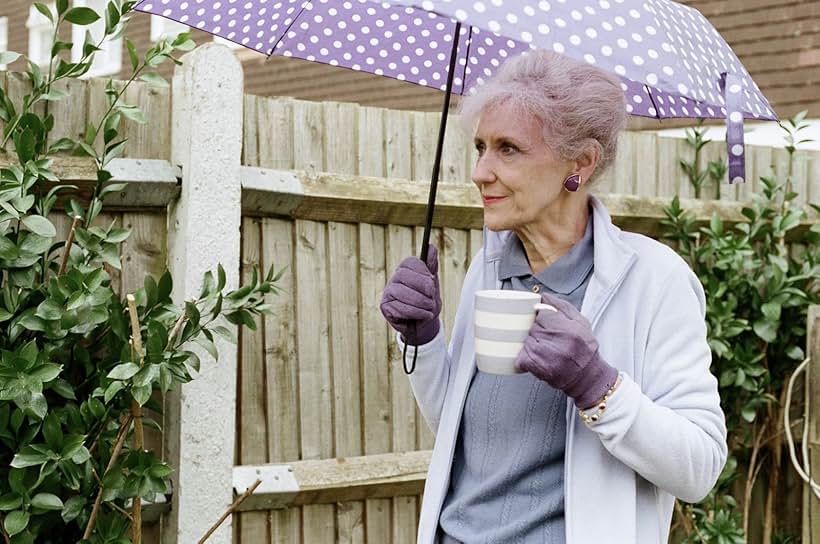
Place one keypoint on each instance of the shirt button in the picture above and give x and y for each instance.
(536, 288)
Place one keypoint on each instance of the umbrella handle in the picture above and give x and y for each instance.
(431, 199)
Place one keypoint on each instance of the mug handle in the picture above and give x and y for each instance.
(541, 306)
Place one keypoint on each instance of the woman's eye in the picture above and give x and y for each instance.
(507, 149)
(480, 149)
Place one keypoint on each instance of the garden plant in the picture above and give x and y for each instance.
(79, 361)
(759, 278)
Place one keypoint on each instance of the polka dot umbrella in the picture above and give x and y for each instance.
(671, 61)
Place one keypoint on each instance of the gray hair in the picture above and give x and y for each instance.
(580, 106)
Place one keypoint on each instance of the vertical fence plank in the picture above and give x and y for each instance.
(282, 369)
(399, 246)
(800, 177)
(151, 140)
(813, 186)
(624, 168)
(308, 136)
(713, 152)
(377, 415)
(454, 154)
(251, 414)
(398, 130)
(341, 137)
(476, 242)
(250, 130)
(425, 132)
(646, 164)
(71, 112)
(275, 128)
(143, 253)
(343, 262)
(315, 376)
(811, 504)
(371, 150)
(671, 178)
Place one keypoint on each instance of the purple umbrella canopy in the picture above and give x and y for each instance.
(671, 61)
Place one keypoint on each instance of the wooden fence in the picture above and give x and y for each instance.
(334, 194)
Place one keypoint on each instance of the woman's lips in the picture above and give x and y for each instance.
(491, 199)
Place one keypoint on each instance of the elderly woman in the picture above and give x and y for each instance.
(616, 413)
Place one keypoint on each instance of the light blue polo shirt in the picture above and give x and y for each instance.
(506, 482)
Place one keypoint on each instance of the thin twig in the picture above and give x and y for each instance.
(121, 510)
(231, 509)
(136, 412)
(115, 453)
(67, 246)
(175, 331)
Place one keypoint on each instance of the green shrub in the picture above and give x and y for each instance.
(76, 366)
(758, 289)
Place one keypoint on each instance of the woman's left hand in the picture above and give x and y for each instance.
(562, 351)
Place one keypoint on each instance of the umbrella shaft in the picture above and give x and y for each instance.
(431, 200)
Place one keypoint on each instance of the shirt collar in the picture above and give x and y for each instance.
(563, 276)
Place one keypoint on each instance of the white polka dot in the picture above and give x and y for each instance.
(558, 47)
(575, 39)
(737, 179)
(652, 79)
(734, 89)
(682, 89)
(638, 60)
(606, 51)
(736, 117)
(637, 99)
(737, 150)
(589, 58)
(620, 70)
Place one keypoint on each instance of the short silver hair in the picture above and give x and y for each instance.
(579, 106)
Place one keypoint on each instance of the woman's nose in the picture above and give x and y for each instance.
(483, 171)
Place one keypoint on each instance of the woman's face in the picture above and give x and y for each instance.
(518, 176)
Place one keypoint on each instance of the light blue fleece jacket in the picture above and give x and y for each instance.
(663, 434)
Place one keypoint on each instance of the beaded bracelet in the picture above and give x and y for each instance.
(591, 419)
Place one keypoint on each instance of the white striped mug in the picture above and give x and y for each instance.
(502, 322)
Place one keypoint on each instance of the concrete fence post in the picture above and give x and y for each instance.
(203, 232)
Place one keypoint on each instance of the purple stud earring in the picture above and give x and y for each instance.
(572, 183)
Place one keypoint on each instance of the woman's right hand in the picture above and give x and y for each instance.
(411, 301)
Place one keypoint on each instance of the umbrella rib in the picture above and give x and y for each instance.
(466, 58)
(654, 104)
(285, 32)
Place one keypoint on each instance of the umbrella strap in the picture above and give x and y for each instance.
(733, 93)
(410, 370)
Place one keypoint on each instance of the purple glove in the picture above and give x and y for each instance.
(411, 301)
(561, 351)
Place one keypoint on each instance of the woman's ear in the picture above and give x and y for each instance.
(587, 162)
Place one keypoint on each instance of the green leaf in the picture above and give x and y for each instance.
(208, 346)
(796, 353)
(10, 501)
(123, 371)
(154, 79)
(7, 57)
(47, 501)
(223, 332)
(16, 522)
(771, 310)
(49, 310)
(28, 457)
(81, 16)
(160, 471)
(112, 390)
(748, 413)
(141, 394)
(40, 225)
(52, 431)
(72, 508)
(767, 330)
(132, 54)
(45, 11)
(46, 372)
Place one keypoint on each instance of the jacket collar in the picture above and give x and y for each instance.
(612, 257)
